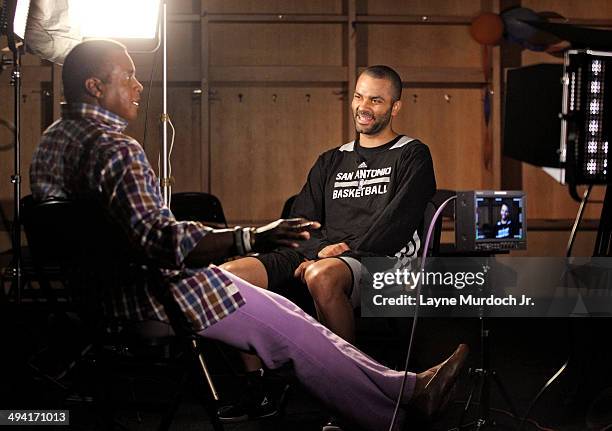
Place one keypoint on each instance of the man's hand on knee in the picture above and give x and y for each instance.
(333, 250)
(301, 270)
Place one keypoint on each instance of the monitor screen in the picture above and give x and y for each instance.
(499, 218)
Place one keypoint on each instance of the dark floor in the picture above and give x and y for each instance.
(524, 352)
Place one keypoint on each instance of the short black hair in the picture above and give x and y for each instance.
(87, 59)
(385, 72)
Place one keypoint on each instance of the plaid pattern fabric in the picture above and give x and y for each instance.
(85, 155)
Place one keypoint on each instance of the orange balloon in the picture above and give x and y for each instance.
(487, 28)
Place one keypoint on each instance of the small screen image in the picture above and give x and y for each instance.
(499, 218)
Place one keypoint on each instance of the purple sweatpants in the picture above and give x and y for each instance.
(336, 372)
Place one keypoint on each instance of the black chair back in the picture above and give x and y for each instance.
(50, 245)
(88, 250)
(44, 225)
(198, 206)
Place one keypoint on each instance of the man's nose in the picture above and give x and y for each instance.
(364, 103)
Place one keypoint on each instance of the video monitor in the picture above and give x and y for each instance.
(491, 220)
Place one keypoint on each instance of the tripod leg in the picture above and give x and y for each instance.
(468, 403)
(485, 397)
(212, 396)
(502, 390)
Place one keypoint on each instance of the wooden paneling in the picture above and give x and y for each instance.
(449, 121)
(183, 6)
(420, 46)
(276, 44)
(183, 55)
(264, 141)
(419, 7)
(275, 6)
(312, 74)
(183, 45)
(184, 111)
(277, 18)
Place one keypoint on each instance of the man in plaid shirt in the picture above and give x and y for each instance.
(86, 155)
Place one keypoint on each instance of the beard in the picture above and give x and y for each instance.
(379, 123)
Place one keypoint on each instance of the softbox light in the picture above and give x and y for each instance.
(54, 27)
(13, 18)
(117, 19)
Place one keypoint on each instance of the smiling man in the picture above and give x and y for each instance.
(369, 195)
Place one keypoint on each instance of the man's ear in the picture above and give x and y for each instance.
(94, 87)
(397, 105)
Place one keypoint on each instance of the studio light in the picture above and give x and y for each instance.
(117, 19)
(54, 27)
(21, 18)
(13, 18)
(586, 124)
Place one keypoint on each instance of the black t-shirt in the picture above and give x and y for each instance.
(371, 198)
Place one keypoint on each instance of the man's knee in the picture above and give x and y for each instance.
(249, 269)
(327, 280)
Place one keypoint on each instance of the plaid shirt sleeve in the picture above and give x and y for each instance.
(130, 187)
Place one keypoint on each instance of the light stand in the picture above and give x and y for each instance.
(16, 177)
(165, 180)
(10, 11)
(481, 379)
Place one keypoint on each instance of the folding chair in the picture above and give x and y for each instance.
(93, 255)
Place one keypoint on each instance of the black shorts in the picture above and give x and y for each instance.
(280, 265)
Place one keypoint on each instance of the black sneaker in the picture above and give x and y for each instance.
(264, 397)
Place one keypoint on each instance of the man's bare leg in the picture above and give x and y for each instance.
(329, 282)
(253, 271)
(249, 269)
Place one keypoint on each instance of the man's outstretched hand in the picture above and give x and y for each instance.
(283, 232)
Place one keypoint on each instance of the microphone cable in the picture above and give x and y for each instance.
(416, 310)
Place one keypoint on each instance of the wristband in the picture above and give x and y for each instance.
(246, 240)
(238, 242)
